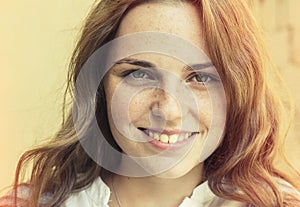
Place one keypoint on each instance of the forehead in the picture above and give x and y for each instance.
(182, 19)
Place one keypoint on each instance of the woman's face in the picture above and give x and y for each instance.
(158, 106)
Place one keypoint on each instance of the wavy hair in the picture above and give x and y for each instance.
(242, 168)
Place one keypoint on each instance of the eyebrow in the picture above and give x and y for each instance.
(198, 66)
(146, 64)
(136, 62)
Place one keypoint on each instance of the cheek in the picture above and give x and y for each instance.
(127, 106)
(211, 105)
(204, 107)
(139, 107)
(215, 117)
(117, 106)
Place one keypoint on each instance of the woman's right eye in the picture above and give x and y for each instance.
(140, 74)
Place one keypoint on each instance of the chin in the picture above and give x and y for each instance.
(176, 172)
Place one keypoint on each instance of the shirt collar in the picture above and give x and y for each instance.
(99, 192)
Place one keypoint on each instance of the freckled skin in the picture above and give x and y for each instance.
(182, 20)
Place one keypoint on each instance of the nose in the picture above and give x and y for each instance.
(168, 102)
(165, 107)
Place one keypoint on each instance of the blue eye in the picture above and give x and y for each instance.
(140, 74)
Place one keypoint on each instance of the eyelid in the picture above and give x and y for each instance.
(129, 72)
(212, 76)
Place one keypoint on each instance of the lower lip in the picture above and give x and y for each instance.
(168, 146)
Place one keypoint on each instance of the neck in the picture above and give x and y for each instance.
(156, 191)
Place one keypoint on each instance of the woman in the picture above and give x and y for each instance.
(184, 133)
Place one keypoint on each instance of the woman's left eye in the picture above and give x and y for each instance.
(201, 78)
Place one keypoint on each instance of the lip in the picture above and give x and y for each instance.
(168, 146)
(167, 132)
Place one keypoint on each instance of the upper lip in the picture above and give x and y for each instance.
(167, 131)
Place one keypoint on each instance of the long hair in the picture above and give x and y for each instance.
(242, 168)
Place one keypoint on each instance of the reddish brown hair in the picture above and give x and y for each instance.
(242, 168)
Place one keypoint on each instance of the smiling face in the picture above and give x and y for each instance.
(158, 106)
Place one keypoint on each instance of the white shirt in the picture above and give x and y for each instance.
(97, 195)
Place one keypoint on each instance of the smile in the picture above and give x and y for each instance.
(164, 139)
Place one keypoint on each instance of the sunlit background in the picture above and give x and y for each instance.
(37, 38)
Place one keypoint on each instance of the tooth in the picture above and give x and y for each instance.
(181, 137)
(164, 138)
(155, 136)
(186, 135)
(173, 138)
(150, 133)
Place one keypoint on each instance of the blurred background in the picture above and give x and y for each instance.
(280, 22)
(36, 42)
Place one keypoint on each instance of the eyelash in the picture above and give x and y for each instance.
(138, 72)
(193, 78)
(208, 78)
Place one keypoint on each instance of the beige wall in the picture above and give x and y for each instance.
(37, 39)
(280, 21)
